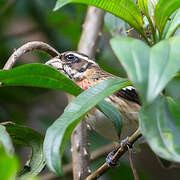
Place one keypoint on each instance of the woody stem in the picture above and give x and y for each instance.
(79, 141)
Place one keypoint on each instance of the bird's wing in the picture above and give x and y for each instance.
(129, 93)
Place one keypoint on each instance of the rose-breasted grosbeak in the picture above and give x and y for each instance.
(86, 73)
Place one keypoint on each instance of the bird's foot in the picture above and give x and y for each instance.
(111, 162)
(109, 159)
(125, 142)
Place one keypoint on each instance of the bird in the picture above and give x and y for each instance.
(85, 72)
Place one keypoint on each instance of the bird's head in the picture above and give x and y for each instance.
(73, 64)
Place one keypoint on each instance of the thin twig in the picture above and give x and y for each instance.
(132, 165)
(122, 149)
(30, 46)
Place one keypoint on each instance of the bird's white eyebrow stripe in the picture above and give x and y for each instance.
(81, 57)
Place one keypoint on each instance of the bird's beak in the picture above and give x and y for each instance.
(55, 63)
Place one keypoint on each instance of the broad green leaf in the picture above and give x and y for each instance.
(9, 165)
(38, 75)
(172, 25)
(125, 9)
(134, 56)
(113, 114)
(5, 140)
(58, 134)
(163, 11)
(160, 126)
(150, 69)
(164, 64)
(28, 137)
(173, 88)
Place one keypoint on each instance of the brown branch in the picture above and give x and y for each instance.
(91, 31)
(122, 149)
(87, 45)
(100, 152)
(80, 152)
(30, 46)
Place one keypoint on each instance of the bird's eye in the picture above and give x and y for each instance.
(70, 57)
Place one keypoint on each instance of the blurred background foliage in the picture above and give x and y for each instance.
(31, 20)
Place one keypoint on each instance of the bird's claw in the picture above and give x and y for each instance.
(109, 159)
(125, 141)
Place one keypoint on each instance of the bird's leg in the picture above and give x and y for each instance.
(112, 163)
(109, 161)
(125, 144)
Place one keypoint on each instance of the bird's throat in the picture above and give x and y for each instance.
(84, 84)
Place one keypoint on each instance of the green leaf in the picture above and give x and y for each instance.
(113, 114)
(9, 165)
(163, 11)
(160, 126)
(125, 9)
(164, 64)
(173, 88)
(134, 56)
(38, 75)
(58, 134)
(28, 137)
(5, 140)
(30, 178)
(150, 69)
(172, 25)
(143, 4)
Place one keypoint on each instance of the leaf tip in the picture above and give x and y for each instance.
(59, 4)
